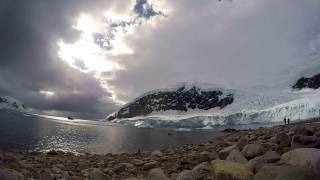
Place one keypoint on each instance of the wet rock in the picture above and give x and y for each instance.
(253, 150)
(201, 171)
(150, 165)
(273, 172)
(258, 162)
(157, 174)
(10, 174)
(237, 156)
(224, 153)
(306, 158)
(300, 141)
(185, 175)
(225, 170)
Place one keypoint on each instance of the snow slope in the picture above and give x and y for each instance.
(10, 103)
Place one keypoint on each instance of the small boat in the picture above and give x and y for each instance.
(70, 118)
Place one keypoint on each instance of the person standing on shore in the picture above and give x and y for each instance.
(285, 121)
(288, 121)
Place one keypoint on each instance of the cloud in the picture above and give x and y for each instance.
(86, 56)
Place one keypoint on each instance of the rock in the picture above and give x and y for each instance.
(123, 167)
(243, 141)
(96, 174)
(300, 141)
(185, 175)
(282, 139)
(225, 170)
(253, 150)
(306, 158)
(157, 174)
(150, 165)
(258, 162)
(306, 131)
(137, 162)
(53, 153)
(46, 175)
(230, 130)
(207, 156)
(317, 134)
(237, 156)
(56, 170)
(156, 153)
(10, 174)
(224, 153)
(201, 171)
(272, 172)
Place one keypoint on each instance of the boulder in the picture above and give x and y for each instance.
(150, 165)
(317, 134)
(157, 174)
(306, 131)
(10, 174)
(253, 150)
(243, 141)
(236, 156)
(282, 139)
(306, 158)
(258, 162)
(121, 167)
(96, 174)
(137, 162)
(300, 141)
(224, 153)
(207, 156)
(185, 175)
(273, 172)
(225, 170)
(156, 153)
(201, 171)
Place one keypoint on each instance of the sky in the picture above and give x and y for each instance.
(89, 57)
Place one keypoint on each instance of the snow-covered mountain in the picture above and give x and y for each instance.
(204, 105)
(10, 103)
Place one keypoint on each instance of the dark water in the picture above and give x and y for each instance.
(32, 133)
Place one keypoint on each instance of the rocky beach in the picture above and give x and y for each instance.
(288, 152)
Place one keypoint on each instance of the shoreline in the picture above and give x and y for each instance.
(195, 160)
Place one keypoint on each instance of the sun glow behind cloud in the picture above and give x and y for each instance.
(103, 41)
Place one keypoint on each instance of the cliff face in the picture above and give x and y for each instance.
(180, 99)
(311, 82)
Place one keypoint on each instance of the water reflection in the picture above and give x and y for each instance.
(36, 133)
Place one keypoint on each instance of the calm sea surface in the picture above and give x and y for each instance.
(32, 133)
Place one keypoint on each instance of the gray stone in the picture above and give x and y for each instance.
(137, 162)
(201, 171)
(282, 139)
(317, 134)
(185, 175)
(96, 174)
(45, 175)
(300, 141)
(224, 153)
(258, 162)
(253, 150)
(157, 174)
(10, 174)
(207, 156)
(306, 131)
(123, 167)
(236, 156)
(243, 141)
(273, 172)
(157, 153)
(150, 165)
(306, 158)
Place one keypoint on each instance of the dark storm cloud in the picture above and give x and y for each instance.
(29, 31)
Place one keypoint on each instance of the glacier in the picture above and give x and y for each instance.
(248, 109)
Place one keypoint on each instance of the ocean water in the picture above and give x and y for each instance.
(34, 133)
